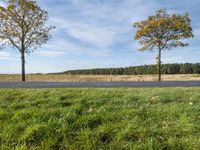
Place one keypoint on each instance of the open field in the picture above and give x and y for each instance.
(145, 118)
(77, 78)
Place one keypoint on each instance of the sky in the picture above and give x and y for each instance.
(99, 34)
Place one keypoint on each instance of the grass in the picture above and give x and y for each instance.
(77, 78)
(124, 118)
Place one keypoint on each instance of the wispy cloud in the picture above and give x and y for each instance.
(96, 36)
(197, 32)
(65, 48)
(50, 53)
(99, 33)
(7, 56)
(2, 3)
(99, 25)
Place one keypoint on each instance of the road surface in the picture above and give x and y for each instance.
(98, 84)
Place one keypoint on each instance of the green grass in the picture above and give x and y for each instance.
(144, 119)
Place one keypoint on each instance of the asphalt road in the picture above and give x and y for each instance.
(98, 84)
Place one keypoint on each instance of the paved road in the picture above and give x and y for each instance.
(98, 84)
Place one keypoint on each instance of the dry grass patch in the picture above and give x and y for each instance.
(77, 78)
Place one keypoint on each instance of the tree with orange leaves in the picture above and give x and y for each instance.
(163, 31)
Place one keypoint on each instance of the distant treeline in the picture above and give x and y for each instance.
(186, 68)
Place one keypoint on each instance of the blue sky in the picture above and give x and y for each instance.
(99, 33)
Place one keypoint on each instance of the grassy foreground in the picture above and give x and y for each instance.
(77, 78)
(145, 118)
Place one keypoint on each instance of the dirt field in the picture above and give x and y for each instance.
(77, 78)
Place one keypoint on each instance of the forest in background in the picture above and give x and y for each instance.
(186, 68)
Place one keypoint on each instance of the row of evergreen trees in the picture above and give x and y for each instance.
(186, 68)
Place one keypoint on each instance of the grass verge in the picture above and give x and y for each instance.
(124, 118)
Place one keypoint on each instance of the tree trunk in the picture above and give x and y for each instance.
(159, 64)
(23, 66)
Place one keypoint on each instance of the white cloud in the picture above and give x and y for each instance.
(61, 47)
(7, 56)
(100, 25)
(97, 36)
(196, 32)
(2, 4)
(97, 33)
(50, 53)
